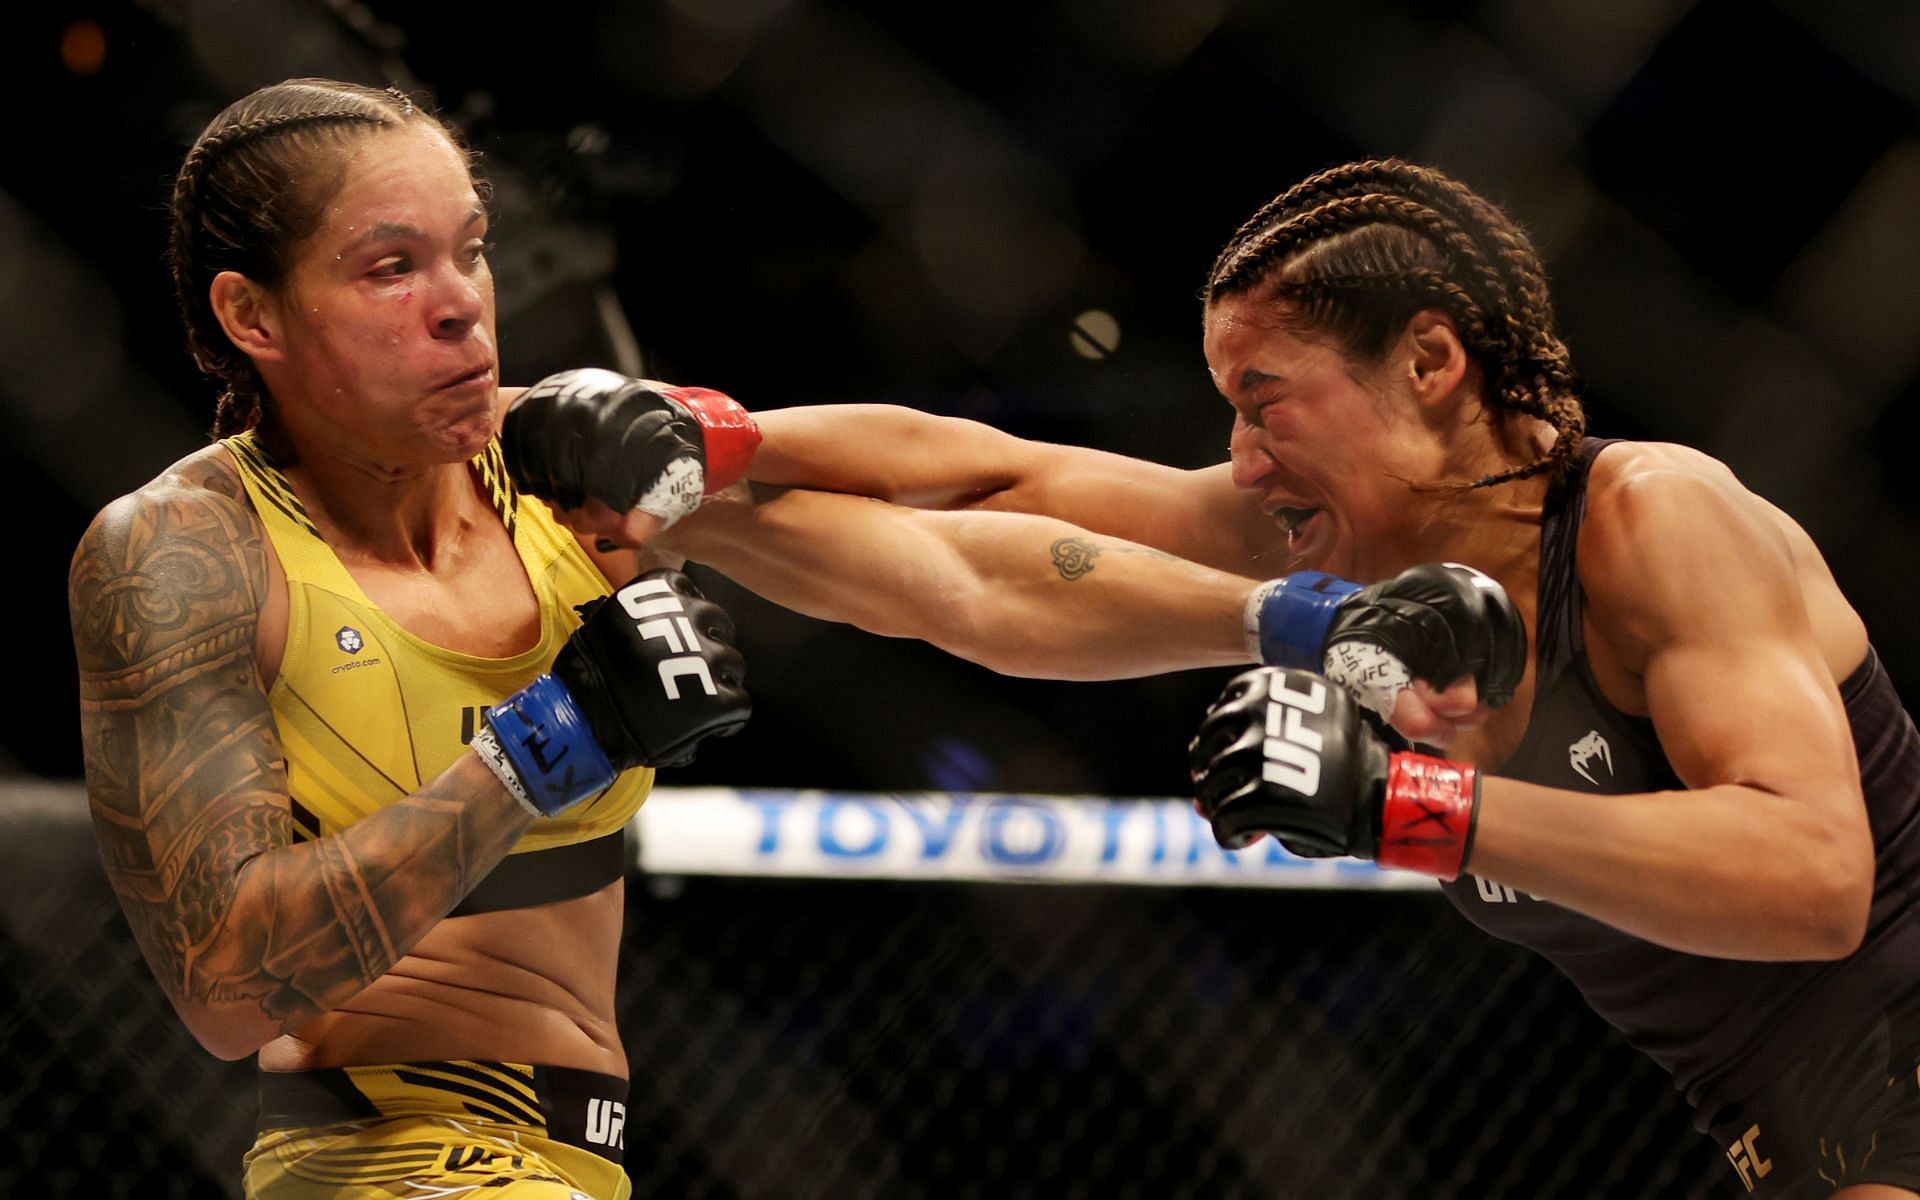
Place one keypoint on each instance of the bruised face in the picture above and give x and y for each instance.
(1328, 444)
(384, 324)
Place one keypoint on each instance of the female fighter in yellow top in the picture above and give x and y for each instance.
(357, 767)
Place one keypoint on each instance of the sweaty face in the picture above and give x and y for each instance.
(387, 315)
(1327, 444)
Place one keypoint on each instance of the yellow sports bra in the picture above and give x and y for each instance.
(368, 713)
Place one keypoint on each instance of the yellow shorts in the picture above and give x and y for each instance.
(439, 1128)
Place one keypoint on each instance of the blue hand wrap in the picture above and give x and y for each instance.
(546, 739)
(1290, 617)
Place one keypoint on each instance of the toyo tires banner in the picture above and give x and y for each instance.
(961, 836)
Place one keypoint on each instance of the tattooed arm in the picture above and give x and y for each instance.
(250, 934)
(1020, 594)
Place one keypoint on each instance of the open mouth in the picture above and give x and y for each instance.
(1293, 518)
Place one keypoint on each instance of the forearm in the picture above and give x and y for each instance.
(307, 926)
(1022, 595)
(885, 451)
(1726, 871)
(942, 463)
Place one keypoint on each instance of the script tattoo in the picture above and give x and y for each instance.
(1073, 556)
(188, 786)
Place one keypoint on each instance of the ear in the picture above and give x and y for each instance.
(248, 314)
(1436, 361)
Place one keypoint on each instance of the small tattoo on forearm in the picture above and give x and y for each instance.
(1073, 556)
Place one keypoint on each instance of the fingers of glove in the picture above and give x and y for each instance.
(1498, 641)
(1420, 634)
(549, 429)
(593, 432)
(678, 582)
(657, 678)
(1243, 690)
(714, 623)
(1289, 754)
(1229, 767)
(1231, 729)
(1506, 651)
(636, 443)
(1237, 826)
(714, 626)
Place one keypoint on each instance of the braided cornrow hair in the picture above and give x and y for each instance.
(1356, 251)
(252, 188)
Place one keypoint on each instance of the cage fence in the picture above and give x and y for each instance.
(1009, 1027)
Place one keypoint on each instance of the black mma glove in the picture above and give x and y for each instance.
(651, 671)
(1285, 752)
(630, 443)
(1437, 622)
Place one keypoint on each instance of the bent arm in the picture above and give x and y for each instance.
(1022, 595)
(250, 933)
(1767, 855)
(922, 461)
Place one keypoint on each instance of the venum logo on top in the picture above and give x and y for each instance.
(1588, 752)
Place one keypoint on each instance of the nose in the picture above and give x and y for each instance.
(459, 301)
(1248, 450)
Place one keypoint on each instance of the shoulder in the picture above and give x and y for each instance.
(1650, 499)
(1667, 526)
(203, 489)
(1627, 472)
(185, 547)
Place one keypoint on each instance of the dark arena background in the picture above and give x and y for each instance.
(1001, 211)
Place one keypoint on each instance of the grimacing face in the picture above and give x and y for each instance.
(1328, 444)
(385, 321)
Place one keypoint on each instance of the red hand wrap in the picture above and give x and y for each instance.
(730, 432)
(1426, 817)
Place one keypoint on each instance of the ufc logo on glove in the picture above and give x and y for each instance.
(1293, 750)
(658, 614)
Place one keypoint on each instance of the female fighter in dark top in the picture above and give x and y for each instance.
(1701, 802)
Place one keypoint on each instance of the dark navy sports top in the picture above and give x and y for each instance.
(1721, 1027)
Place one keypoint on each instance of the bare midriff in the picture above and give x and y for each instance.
(526, 985)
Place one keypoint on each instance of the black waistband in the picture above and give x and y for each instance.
(581, 1108)
(547, 876)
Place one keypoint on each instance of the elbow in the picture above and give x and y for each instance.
(224, 1038)
(1845, 924)
(231, 1050)
(1837, 901)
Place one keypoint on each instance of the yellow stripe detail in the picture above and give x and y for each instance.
(253, 461)
(520, 1091)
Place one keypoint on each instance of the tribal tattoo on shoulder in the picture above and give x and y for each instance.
(1073, 556)
(188, 786)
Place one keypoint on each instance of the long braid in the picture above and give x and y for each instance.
(1359, 248)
